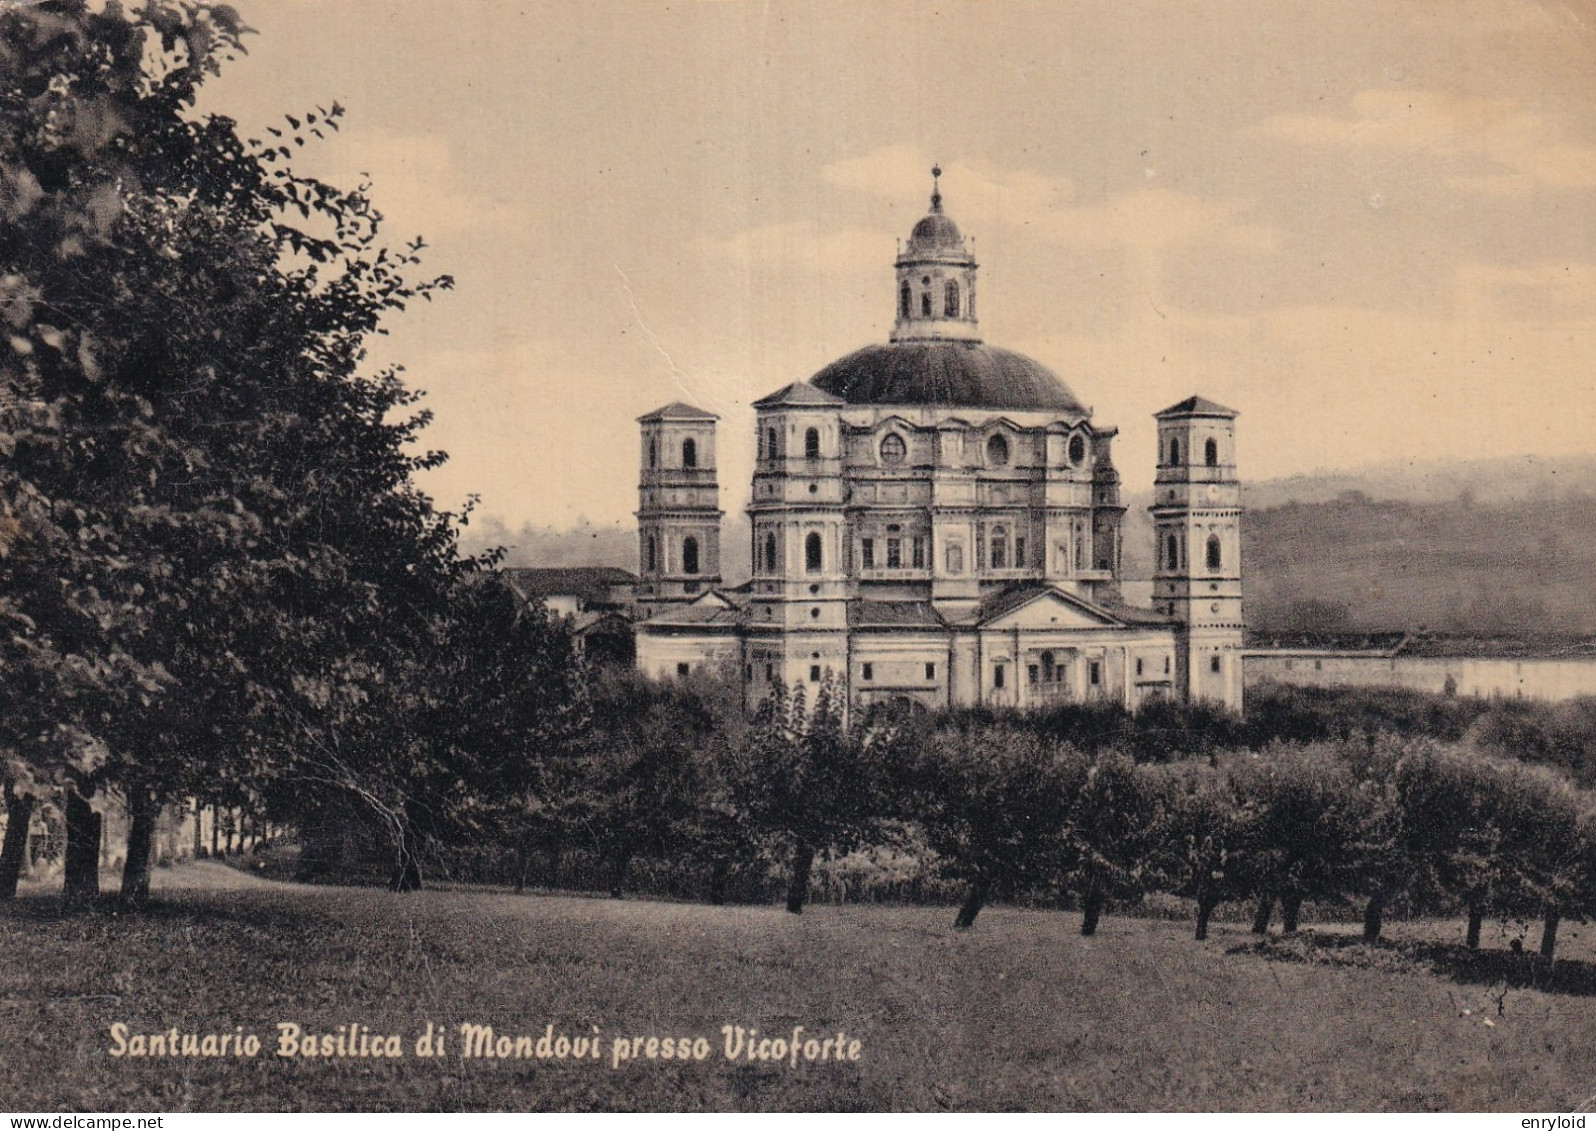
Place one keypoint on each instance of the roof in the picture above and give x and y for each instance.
(1196, 406)
(945, 373)
(559, 580)
(676, 410)
(799, 392)
(892, 614)
(698, 616)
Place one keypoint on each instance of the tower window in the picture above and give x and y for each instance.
(770, 552)
(955, 556)
(1000, 547)
(1019, 553)
(1213, 552)
(997, 675)
(1095, 673)
(867, 552)
(1214, 664)
(689, 453)
(997, 451)
(771, 451)
(925, 304)
(1166, 665)
(812, 444)
(650, 554)
(950, 300)
(653, 452)
(814, 673)
(930, 671)
(812, 553)
(905, 299)
(867, 671)
(894, 553)
(893, 449)
(1138, 665)
(1077, 451)
(1211, 453)
(1174, 453)
(918, 549)
(1172, 554)
(689, 554)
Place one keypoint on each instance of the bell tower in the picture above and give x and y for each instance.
(1197, 523)
(936, 280)
(678, 514)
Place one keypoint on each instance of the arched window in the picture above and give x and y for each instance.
(771, 451)
(689, 453)
(653, 452)
(812, 444)
(925, 304)
(770, 553)
(997, 450)
(1214, 555)
(649, 554)
(1174, 453)
(689, 554)
(812, 553)
(1000, 547)
(1211, 453)
(893, 449)
(1172, 553)
(1077, 449)
(950, 300)
(905, 299)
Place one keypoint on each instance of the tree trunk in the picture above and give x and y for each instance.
(973, 902)
(81, 882)
(1549, 935)
(19, 816)
(803, 859)
(1476, 917)
(142, 811)
(1091, 910)
(1205, 908)
(1374, 917)
(199, 843)
(216, 831)
(1290, 912)
(520, 866)
(619, 863)
(407, 865)
(1261, 917)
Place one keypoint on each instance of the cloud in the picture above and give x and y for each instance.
(803, 244)
(415, 183)
(1522, 150)
(990, 196)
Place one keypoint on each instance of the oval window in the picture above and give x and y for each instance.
(997, 451)
(893, 449)
(1077, 449)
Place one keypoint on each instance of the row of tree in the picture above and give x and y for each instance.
(219, 578)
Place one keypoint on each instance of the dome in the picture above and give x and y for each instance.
(964, 373)
(936, 232)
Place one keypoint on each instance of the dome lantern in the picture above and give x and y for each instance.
(935, 279)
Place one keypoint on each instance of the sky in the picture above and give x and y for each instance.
(1368, 226)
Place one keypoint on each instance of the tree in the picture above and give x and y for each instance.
(1208, 832)
(811, 779)
(1116, 821)
(995, 803)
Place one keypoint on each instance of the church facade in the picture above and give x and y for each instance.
(937, 523)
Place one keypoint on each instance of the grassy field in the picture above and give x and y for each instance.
(1020, 1013)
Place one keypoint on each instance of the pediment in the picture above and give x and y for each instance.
(1050, 609)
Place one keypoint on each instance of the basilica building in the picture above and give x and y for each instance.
(937, 522)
